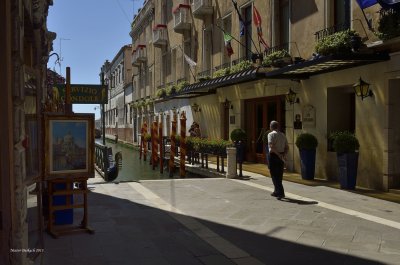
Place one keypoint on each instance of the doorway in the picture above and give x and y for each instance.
(259, 112)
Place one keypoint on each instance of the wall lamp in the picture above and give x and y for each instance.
(291, 97)
(361, 88)
(227, 104)
(196, 108)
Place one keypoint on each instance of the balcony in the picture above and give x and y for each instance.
(181, 18)
(141, 54)
(202, 8)
(135, 62)
(160, 35)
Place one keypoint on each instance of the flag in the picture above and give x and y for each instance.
(257, 22)
(366, 3)
(189, 60)
(228, 46)
(241, 28)
(241, 21)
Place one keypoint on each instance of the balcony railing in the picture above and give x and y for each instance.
(202, 8)
(206, 73)
(276, 48)
(141, 54)
(181, 18)
(224, 65)
(135, 61)
(160, 35)
(331, 30)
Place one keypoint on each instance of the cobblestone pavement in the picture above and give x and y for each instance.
(229, 221)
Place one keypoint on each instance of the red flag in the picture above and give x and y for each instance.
(257, 22)
(256, 17)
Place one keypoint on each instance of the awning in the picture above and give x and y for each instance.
(325, 64)
(209, 86)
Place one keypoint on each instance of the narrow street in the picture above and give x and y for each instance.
(222, 221)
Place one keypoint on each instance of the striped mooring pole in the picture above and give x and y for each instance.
(141, 143)
(173, 146)
(161, 142)
(182, 171)
(144, 141)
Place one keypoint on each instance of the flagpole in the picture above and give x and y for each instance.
(234, 38)
(190, 68)
(241, 19)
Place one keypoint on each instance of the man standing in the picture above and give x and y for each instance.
(278, 148)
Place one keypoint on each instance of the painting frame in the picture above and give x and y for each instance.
(69, 145)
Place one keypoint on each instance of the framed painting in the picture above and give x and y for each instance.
(69, 145)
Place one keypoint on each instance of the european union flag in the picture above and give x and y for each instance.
(366, 3)
(241, 28)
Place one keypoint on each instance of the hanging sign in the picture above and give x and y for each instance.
(82, 94)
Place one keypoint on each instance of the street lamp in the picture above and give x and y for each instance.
(103, 116)
(291, 97)
(361, 88)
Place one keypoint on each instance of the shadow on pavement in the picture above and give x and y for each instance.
(130, 232)
(300, 202)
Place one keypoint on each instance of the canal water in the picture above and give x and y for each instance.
(133, 168)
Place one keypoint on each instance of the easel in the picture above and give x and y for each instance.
(69, 190)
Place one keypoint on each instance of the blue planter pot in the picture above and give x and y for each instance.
(307, 161)
(240, 151)
(348, 164)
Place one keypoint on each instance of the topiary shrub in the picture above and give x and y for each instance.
(238, 135)
(345, 142)
(306, 141)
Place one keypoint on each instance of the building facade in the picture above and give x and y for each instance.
(25, 45)
(180, 53)
(118, 77)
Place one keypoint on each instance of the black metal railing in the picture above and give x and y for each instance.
(204, 73)
(222, 66)
(284, 46)
(180, 80)
(331, 30)
(234, 62)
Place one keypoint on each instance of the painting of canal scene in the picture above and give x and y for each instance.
(70, 145)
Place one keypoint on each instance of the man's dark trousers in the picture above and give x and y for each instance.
(276, 166)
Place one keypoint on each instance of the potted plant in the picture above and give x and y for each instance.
(346, 146)
(388, 27)
(307, 144)
(342, 42)
(278, 58)
(239, 137)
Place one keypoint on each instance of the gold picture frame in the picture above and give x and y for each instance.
(69, 145)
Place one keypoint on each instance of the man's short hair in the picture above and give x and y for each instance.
(274, 125)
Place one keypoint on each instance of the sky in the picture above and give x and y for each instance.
(88, 33)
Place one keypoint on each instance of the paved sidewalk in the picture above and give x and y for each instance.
(221, 221)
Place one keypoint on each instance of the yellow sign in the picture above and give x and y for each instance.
(82, 94)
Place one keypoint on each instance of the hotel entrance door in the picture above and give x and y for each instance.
(259, 112)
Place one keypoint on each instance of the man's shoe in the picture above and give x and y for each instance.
(280, 196)
(274, 194)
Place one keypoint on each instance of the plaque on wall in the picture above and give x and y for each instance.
(308, 116)
(232, 119)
